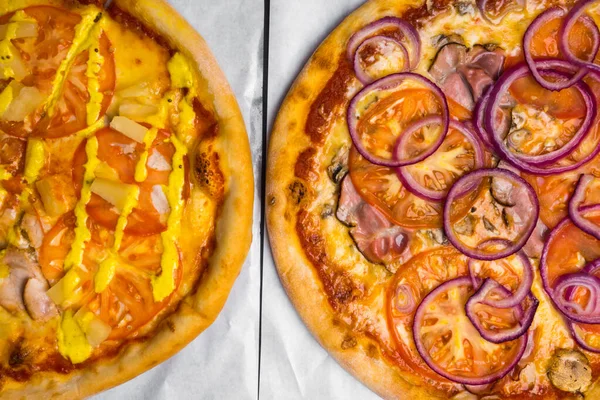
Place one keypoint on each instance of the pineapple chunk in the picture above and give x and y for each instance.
(23, 30)
(116, 193)
(57, 194)
(129, 128)
(96, 331)
(27, 101)
(136, 110)
(138, 90)
(105, 171)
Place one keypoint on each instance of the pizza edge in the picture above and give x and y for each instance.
(198, 310)
(296, 272)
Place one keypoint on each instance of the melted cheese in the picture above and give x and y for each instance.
(82, 32)
(180, 70)
(72, 342)
(164, 284)
(82, 233)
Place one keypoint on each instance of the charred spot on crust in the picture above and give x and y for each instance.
(372, 351)
(171, 325)
(297, 191)
(569, 370)
(208, 174)
(348, 342)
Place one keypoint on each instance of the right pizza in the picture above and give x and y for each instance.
(433, 197)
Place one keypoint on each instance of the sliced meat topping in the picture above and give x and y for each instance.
(465, 74)
(21, 268)
(378, 239)
(38, 304)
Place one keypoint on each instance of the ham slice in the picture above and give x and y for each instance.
(378, 239)
(465, 74)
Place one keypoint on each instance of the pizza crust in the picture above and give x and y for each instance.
(233, 232)
(297, 274)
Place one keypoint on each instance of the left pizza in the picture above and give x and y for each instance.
(125, 178)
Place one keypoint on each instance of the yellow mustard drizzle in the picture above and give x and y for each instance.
(82, 233)
(141, 170)
(94, 66)
(90, 130)
(7, 50)
(107, 268)
(164, 284)
(72, 342)
(82, 32)
(6, 97)
(35, 160)
(105, 274)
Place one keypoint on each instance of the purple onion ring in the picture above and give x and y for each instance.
(375, 28)
(580, 340)
(566, 27)
(575, 204)
(544, 18)
(419, 315)
(525, 316)
(387, 83)
(534, 164)
(361, 73)
(407, 178)
(470, 180)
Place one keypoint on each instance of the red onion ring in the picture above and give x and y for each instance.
(581, 341)
(544, 18)
(502, 336)
(534, 164)
(566, 27)
(374, 28)
(588, 315)
(575, 206)
(390, 82)
(478, 119)
(419, 315)
(469, 181)
(588, 270)
(361, 73)
(524, 286)
(406, 177)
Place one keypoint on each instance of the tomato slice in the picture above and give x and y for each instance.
(382, 119)
(452, 343)
(42, 57)
(566, 103)
(438, 172)
(554, 191)
(122, 154)
(381, 188)
(71, 108)
(127, 304)
(472, 356)
(569, 249)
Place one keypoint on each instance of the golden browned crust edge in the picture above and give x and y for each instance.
(296, 273)
(233, 228)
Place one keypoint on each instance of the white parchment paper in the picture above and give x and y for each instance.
(222, 363)
(293, 365)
